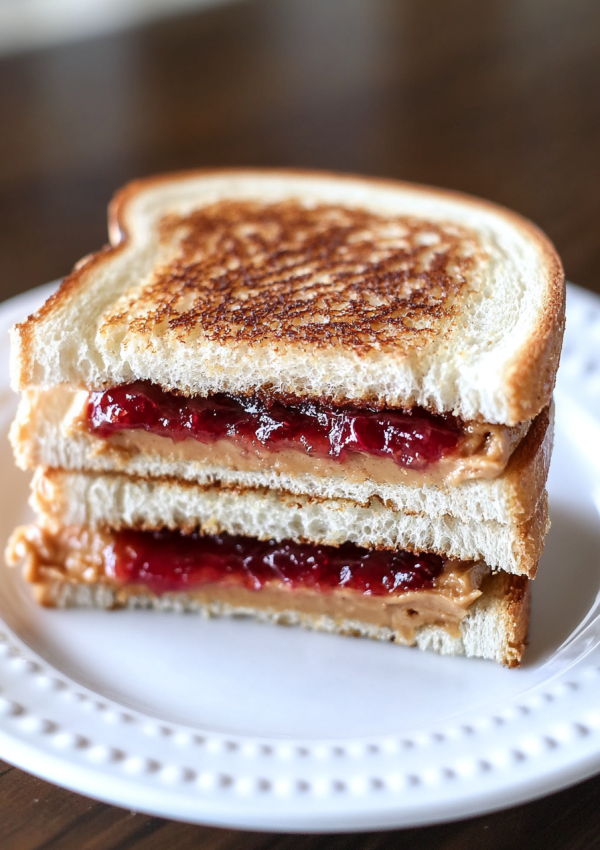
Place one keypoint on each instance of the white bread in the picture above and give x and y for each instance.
(41, 435)
(495, 626)
(478, 334)
(120, 501)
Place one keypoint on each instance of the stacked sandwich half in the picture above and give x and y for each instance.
(304, 397)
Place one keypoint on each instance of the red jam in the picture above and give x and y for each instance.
(413, 438)
(171, 561)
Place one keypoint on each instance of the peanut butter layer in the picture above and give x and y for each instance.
(84, 556)
(483, 452)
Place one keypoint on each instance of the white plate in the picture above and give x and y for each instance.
(247, 725)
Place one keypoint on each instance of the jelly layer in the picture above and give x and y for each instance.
(170, 561)
(413, 438)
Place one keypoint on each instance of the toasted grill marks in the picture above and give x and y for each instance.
(326, 275)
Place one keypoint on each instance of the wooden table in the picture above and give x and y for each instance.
(500, 99)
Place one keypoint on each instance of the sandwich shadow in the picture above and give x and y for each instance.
(567, 583)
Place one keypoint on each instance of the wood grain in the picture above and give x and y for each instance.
(35, 815)
(496, 98)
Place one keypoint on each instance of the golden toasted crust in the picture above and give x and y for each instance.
(533, 373)
(530, 537)
(517, 593)
(273, 305)
(527, 470)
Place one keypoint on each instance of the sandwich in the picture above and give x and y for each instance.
(304, 397)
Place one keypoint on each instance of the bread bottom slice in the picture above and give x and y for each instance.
(495, 625)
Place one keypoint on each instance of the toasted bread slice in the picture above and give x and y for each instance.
(316, 285)
(119, 501)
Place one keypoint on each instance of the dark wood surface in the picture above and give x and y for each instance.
(497, 98)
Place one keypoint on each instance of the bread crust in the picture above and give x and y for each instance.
(518, 598)
(532, 369)
(533, 373)
(528, 467)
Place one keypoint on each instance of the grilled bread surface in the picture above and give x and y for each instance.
(317, 285)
